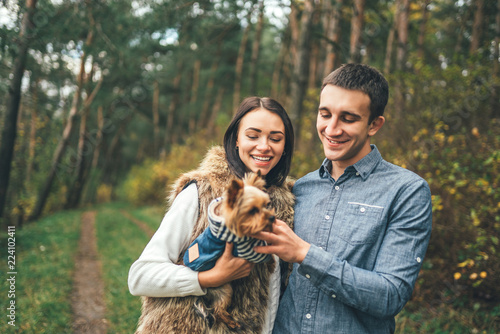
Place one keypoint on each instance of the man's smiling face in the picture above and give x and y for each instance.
(343, 126)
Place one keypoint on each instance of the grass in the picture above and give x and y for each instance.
(445, 319)
(151, 215)
(119, 242)
(45, 251)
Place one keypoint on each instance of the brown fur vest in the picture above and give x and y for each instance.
(250, 294)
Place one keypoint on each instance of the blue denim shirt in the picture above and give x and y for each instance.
(369, 232)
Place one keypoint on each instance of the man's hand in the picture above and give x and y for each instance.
(283, 242)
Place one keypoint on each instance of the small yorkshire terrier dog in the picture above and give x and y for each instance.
(243, 210)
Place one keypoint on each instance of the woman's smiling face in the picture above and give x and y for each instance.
(261, 140)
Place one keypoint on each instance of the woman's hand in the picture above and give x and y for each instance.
(227, 268)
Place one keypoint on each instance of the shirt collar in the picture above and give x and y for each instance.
(364, 166)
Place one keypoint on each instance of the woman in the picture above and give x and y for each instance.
(259, 138)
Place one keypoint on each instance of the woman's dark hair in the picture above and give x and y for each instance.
(279, 173)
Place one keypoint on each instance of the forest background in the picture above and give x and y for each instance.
(110, 100)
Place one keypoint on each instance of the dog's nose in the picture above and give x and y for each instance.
(272, 219)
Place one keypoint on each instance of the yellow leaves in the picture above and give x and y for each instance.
(472, 276)
(482, 183)
(437, 203)
(484, 255)
(439, 137)
(475, 219)
(422, 133)
(104, 193)
(467, 263)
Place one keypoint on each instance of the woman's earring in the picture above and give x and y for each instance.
(237, 148)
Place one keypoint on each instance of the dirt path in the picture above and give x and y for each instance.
(142, 225)
(88, 291)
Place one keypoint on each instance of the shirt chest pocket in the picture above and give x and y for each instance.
(361, 223)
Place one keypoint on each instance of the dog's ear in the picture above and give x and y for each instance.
(255, 179)
(233, 190)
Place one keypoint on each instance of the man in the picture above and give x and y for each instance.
(362, 225)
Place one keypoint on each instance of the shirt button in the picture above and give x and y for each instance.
(308, 276)
(308, 316)
(357, 173)
(333, 296)
(327, 217)
(419, 260)
(362, 209)
(337, 187)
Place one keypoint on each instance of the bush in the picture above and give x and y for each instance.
(455, 145)
(148, 183)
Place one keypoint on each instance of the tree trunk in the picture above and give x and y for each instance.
(239, 65)
(403, 24)
(314, 61)
(194, 94)
(107, 172)
(68, 129)
(254, 64)
(170, 133)
(301, 68)
(82, 151)
(208, 99)
(357, 24)
(295, 32)
(211, 128)
(32, 140)
(13, 101)
(422, 28)
(98, 139)
(333, 33)
(477, 28)
(156, 117)
(390, 43)
(464, 19)
(495, 95)
(278, 67)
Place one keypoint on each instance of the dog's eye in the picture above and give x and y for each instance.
(269, 206)
(254, 211)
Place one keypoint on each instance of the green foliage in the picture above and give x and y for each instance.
(455, 145)
(44, 264)
(148, 183)
(444, 319)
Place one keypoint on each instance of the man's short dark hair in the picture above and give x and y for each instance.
(365, 79)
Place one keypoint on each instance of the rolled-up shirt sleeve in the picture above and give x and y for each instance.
(383, 291)
(155, 273)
